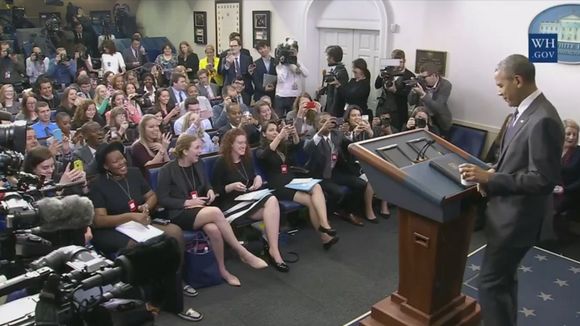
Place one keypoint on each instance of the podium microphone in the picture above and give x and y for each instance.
(421, 154)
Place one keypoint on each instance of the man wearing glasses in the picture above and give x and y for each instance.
(236, 67)
(432, 91)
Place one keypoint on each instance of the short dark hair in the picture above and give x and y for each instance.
(34, 157)
(235, 35)
(517, 64)
(109, 44)
(175, 77)
(190, 101)
(225, 90)
(202, 72)
(398, 54)
(61, 115)
(262, 44)
(335, 52)
(41, 104)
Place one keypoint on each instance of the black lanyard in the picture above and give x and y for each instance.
(127, 191)
(187, 178)
(244, 174)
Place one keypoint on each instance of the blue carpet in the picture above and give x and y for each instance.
(548, 293)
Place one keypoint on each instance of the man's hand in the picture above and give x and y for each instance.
(419, 90)
(473, 173)
(558, 190)
(328, 124)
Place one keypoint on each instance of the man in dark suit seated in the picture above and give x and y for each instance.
(219, 114)
(135, 56)
(265, 65)
(235, 119)
(94, 136)
(177, 91)
(235, 67)
(330, 161)
(519, 187)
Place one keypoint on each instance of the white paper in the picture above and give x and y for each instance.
(301, 180)
(254, 195)
(269, 80)
(138, 231)
(232, 217)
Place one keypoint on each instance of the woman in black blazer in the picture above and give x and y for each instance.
(567, 195)
(185, 192)
(273, 155)
(188, 59)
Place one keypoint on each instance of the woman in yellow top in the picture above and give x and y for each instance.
(211, 63)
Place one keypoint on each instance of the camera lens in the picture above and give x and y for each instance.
(13, 136)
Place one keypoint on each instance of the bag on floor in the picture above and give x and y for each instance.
(200, 268)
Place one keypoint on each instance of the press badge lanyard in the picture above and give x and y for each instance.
(193, 193)
(245, 174)
(127, 192)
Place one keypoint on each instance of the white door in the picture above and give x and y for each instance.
(355, 44)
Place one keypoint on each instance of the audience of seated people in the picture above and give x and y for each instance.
(192, 103)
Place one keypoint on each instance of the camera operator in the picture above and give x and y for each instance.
(36, 64)
(382, 125)
(433, 96)
(11, 69)
(337, 71)
(63, 68)
(394, 91)
(420, 119)
(291, 73)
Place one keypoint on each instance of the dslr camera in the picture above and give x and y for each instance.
(285, 52)
(419, 80)
(37, 57)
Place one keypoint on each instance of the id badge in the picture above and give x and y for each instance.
(193, 194)
(132, 205)
(7, 75)
(294, 86)
(334, 157)
(284, 169)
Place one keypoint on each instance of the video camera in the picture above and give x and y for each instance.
(75, 281)
(391, 69)
(286, 53)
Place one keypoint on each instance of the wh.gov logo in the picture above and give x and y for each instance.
(543, 47)
(554, 35)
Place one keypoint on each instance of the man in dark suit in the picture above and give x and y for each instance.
(519, 186)
(205, 88)
(265, 65)
(135, 56)
(393, 99)
(94, 136)
(433, 96)
(330, 161)
(235, 66)
(177, 94)
(334, 100)
(235, 119)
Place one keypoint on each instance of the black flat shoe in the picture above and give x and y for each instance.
(330, 243)
(280, 267)
(385, 216)
(373, 221)
(331, 232)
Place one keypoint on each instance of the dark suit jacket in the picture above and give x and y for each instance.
(173, 100)
(230, 74)
(258, 78)
(436, 103)
(84, 154)
(130, 58)
(520, 192)
(334, 99)
(173, 190)
(318, 157)
(251, 132)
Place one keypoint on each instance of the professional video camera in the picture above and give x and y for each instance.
(286, 53)
(75, 281)
(391, 69)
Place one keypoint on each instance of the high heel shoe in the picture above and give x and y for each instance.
(331, 232)
(330, 243)
(280, 267)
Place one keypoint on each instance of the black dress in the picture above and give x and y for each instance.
(192, 62)
(357, 93)
(273, 166)
(223, 175)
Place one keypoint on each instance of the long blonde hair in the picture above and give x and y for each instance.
(142, 138)
(98, 99)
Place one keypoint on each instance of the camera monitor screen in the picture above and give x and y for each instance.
(395, 155)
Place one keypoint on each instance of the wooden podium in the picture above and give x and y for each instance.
(436, 216)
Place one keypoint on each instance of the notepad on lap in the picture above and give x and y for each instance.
(138, 231)
(304, 184)
(254, 195)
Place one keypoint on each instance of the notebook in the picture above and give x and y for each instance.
(448, 165)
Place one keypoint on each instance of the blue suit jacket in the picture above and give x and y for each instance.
(258, 78)
(230, 74)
